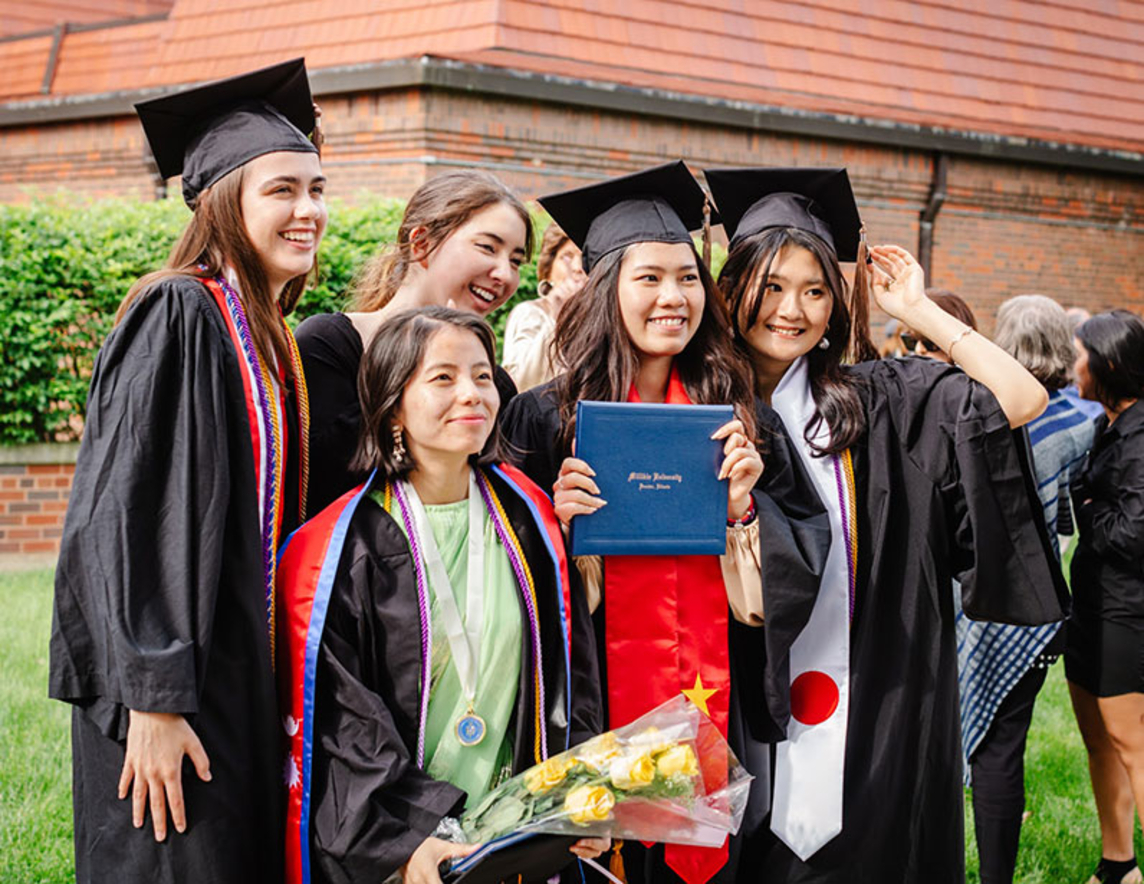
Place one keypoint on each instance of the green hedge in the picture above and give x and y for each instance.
(64, 268)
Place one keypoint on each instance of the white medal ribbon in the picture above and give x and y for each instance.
(806, 811)
(464, 637)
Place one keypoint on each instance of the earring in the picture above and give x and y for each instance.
(824, 344)
(398, 444)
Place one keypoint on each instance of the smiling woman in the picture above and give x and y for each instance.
(192, 468)
(408, 725)
(461, 243)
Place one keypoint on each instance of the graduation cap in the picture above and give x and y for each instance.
(661, 204)
(820, 201)
(205, 132)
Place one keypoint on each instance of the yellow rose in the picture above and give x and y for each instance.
(547, 774)
(589, 804)
(650, 740)
(632, 771)
(598, 751)
(677, 760)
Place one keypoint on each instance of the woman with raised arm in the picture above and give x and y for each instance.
(917, 465)
(461, 243)
(651, 326)
(434, 641)
(191, 470)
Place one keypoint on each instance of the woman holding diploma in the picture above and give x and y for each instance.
(917, 465)
(432, 643)
(650, 326)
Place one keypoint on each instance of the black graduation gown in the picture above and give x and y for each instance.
(159, 600)
(372, 805)
(943, 491)
(794, 537)
(331, 351)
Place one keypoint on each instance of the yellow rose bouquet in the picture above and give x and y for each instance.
(668, 776)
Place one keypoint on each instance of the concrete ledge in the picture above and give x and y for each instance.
(42, 453)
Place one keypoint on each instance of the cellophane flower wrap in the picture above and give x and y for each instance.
(668, 776)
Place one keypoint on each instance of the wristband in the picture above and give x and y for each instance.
(748, 517)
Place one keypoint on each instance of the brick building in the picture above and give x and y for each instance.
(1002, 140)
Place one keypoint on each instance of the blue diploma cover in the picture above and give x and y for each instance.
(656, 466)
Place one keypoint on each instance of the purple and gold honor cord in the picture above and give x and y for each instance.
(847, 502)
(508, 539)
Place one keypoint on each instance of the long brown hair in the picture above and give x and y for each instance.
(215, 239)
(602, 362)
(835, 391)
(439, 206)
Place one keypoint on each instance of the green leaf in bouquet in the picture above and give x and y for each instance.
(504, 816)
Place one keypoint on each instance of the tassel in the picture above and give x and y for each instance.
(318, 136)
(616, 863)
(706, 231)
(860, 348)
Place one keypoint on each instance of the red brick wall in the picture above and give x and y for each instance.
(33, 500)
(1005, 229)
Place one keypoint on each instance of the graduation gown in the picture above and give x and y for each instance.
(160, 597)
(365, 804)
(943, 491)
(794, 537)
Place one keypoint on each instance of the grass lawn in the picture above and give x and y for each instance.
(1060, 842)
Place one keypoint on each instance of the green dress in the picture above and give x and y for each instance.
(475, 769)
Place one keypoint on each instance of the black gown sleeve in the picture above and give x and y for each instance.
(587, 703)
(955, 432)
(143, 544)
(372, 805)
(1115, 527)
(531, 426)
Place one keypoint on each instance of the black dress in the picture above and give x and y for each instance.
(943, 491)
(372, 805)
(1105, 653)
(331, 351)
(159, 602)
(795, 535)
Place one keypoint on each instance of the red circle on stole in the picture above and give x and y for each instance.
(813, 697)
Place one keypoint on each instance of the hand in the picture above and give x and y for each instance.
(422, 867)
(564, 291)
(574, 493)
(742, 465)
(898, 282)
(156, 744)
(590, 848)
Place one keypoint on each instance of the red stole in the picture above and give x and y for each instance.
(665, 626)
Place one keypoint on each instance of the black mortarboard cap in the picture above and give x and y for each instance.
(205, 132)
(661, 204)
(753, 199)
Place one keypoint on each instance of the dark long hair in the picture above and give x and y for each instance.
(1115, 345)
(388, 365)
(835, 391)
(602, 363)
(214, 239)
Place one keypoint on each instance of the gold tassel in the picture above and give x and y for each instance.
(706, 231)
(860, 348)
(616, 863)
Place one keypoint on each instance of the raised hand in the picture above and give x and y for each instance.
(898, 281)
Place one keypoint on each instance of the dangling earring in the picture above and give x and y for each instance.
(398, 444)
(824, 344)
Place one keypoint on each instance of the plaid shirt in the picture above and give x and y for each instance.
(993, 657)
